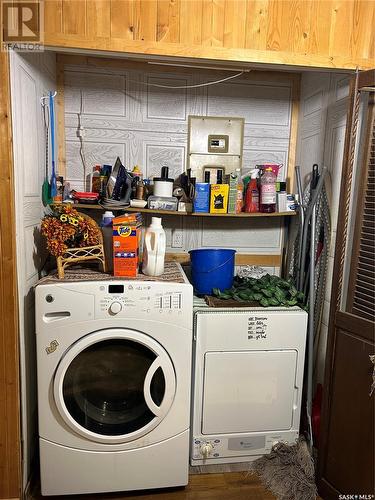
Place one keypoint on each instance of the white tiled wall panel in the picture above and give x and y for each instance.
(147, 125)
(321, 136)
(32, 76)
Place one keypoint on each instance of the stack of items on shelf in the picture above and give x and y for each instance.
(258, 192)
(74, 238)
(220, 193)
(126, 241)
(213, 181)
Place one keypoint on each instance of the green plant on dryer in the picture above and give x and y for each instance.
(268, 291)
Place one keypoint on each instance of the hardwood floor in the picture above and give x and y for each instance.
(224, 486)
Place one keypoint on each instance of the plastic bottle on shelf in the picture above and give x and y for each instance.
(107, 218)
(268, 191)
(103, 179)
(240, 197)
(219, 176)
(252, 193)
(95, 180)
(107, 231)
(140, 189)
(154, 249)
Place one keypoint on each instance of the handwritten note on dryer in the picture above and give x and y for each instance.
(257, 328)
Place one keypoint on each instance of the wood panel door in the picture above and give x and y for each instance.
(346, 452)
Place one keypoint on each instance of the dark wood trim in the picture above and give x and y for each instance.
(10, 436)
(327, 491)
(366, 78)
(360, 205)
(339, 320)
(353, 324)
(337, 270)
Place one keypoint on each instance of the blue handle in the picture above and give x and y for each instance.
(53, 174)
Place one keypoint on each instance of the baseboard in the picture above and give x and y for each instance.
(219, 468)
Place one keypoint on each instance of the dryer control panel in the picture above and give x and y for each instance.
(214, 448)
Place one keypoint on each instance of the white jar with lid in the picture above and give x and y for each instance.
(163, 185)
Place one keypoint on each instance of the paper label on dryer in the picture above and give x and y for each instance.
(257, 328)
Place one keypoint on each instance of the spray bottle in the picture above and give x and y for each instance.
(252, 193)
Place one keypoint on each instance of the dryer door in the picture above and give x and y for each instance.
(114, 386)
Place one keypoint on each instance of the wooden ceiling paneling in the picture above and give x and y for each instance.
(318, 33)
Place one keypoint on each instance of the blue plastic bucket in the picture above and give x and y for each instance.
(211, 268)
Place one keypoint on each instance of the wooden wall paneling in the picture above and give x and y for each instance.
(235, 23)
(60, 132)
(341, 27)
(145, 20)
(99, 19)
(294, 116)
(329, 34)
(122, 19)
(53, 17)
(320, 26)
(256, 24)
(207, 17)
(10, 439)
(74, 17)
(275, 25)
(296, 31)
(168, 18)
(218, 18)
(191, 12)
(362, 38)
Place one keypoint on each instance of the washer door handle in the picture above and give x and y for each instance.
(170, 386)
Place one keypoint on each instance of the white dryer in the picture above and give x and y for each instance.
(114, 365)
(248, 378)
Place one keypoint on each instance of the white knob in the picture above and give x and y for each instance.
(206, 450)
(115, 307)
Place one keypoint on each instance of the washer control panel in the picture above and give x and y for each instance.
(122, 300)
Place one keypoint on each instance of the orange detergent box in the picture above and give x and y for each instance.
(126, 242)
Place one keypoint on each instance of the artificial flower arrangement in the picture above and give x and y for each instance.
(66, 228)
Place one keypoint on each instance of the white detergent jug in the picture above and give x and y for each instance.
(154, 249)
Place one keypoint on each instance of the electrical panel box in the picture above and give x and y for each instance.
(214, 142)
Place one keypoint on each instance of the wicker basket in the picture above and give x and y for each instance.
(81, 254)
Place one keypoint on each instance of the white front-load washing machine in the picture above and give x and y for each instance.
(114, 372)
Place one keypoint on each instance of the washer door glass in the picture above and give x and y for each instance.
(115, 387)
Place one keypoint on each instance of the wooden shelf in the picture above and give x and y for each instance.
(184, 214)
